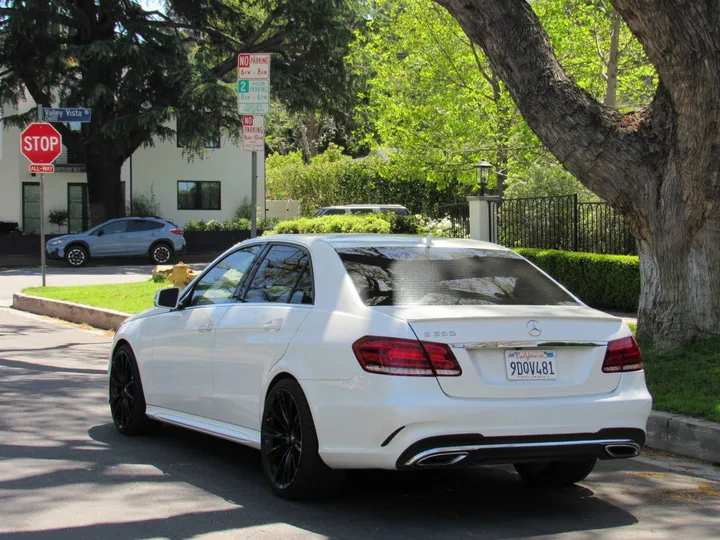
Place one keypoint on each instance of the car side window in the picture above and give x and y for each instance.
(219, 284)
(142, 225)
(361, 211)
(116, 227)
(304, 293)
(333, 212)
(278, 276)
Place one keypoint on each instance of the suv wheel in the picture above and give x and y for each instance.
(160, 253)
(76, 256)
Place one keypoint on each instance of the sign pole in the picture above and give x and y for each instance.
(42, 209)
(253, 196)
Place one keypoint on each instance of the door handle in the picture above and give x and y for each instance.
(275, 324)
(204, 328)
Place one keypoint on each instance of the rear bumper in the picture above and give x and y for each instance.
(375, 421)
(470, 449)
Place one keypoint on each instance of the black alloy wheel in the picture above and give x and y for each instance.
(161, 254)
(122, 389)
(126, 397)
(282, 438)
(289, 446)
(76, 256)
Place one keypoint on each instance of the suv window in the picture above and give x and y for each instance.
(361, 210)
(279, 277)
(439, 276)
(142, 225)
(333, 211)
(219, 284)
(116, 227)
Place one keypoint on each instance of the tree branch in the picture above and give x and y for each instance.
(584, 135)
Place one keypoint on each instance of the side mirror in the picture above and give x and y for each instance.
(167, 298)
(100, 232)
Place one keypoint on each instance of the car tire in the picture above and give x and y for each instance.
(161, 253)
(556, 473)
(289, 447)
(126, 396)
(76, 256)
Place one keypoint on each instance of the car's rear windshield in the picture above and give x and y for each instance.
(443, 276)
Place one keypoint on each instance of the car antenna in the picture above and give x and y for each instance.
(428, 240)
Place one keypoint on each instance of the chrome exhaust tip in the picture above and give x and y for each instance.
(624, 450)
(442, 460)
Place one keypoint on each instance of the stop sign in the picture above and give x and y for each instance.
(40, 143)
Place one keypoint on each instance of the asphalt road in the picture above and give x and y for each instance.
(66, 474)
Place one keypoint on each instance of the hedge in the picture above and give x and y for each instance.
(610, 282)
(373, 223)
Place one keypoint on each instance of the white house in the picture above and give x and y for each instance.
(210, 188)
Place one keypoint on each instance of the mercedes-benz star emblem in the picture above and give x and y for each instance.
(533, 328)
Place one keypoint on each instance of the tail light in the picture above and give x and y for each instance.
(622, 355)
(176, 232)
(394, 356)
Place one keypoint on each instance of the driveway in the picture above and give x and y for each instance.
(16, 279)
(66, 474)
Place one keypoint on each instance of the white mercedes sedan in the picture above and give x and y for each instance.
(338, 352)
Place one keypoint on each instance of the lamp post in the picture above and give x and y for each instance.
(482, 168)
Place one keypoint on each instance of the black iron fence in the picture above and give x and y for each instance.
(561, 222)
(459, 215)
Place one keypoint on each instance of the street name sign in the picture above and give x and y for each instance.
(41, 144)
(81, 114)
(253, 133)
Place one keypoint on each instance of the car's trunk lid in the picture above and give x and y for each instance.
(567, 342)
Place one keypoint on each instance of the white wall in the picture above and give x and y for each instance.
(160, 168)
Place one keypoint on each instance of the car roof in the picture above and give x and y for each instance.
(344, 240)
(366, 206)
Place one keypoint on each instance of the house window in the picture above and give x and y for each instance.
(198, 195)
(211, 141)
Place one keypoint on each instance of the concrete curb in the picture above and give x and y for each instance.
(699, 439)
(105, 319)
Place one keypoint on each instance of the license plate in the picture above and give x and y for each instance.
(530, 365)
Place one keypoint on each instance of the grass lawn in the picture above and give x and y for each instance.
(686, 382)
(125, 297)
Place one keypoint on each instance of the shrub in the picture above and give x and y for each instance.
(333, 178)
(145, 205)
(244, 210)
(237, 224)
(58, 217)
(609, 282)
(366, 223)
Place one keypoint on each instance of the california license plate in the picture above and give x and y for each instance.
(530, 365)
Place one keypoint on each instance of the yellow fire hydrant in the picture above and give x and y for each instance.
(179, 275)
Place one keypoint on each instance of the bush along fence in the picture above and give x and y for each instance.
(367, 224)
(562, 223)
(610, 282)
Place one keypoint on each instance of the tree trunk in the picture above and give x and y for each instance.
(104, 188)
(659, 168)
(679, 272)
(613, 61)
